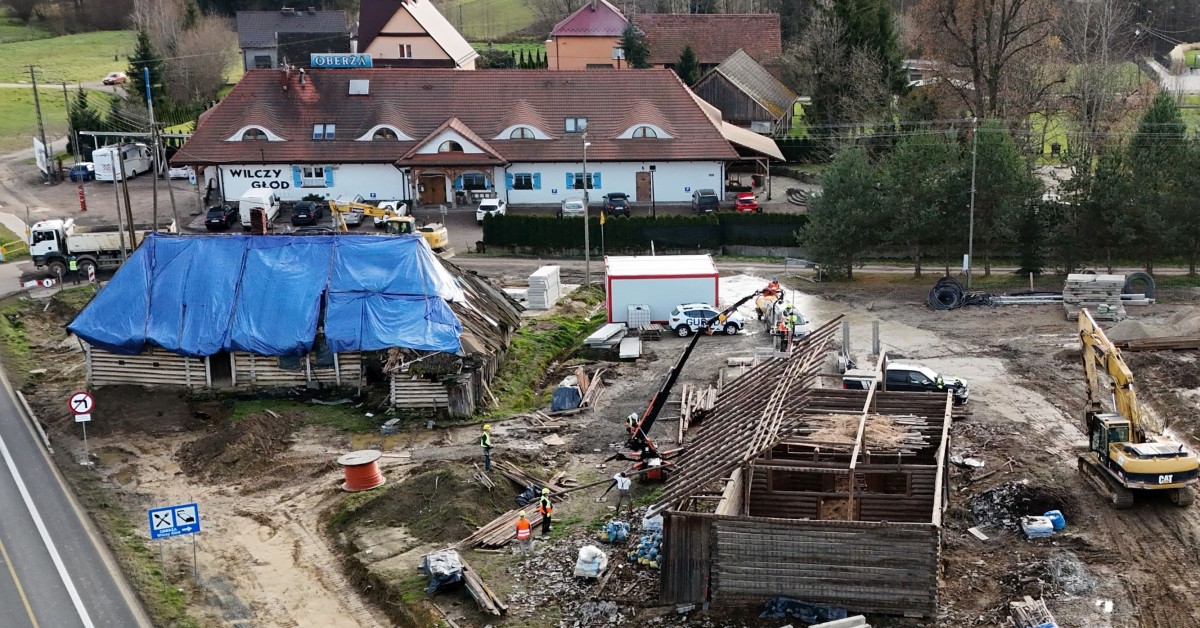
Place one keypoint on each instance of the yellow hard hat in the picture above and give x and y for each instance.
(486, 427)
(545, 491)
(522, 514)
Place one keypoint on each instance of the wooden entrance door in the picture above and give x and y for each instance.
(643, 187)
(433, 190)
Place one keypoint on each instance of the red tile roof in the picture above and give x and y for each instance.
(485, 102)
(593, 19)
(712, 36)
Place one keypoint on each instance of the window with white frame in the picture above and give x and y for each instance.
(578, 180)
(575, 125)
(474, 181)
(522, 181)
(312, 176)
(522, 133)
(645, 131)
(406, 51)
(253, 135)
(323, 131)
(450, 146)
(384, 133)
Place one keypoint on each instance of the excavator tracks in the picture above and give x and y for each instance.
(1118, 496)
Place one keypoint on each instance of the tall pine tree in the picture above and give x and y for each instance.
(144, 56)
(637, 51)
(688, 67)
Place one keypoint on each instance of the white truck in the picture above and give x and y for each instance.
(52, 243)
(107, 159)
(265, 200)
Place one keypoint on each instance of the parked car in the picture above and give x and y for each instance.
(747, 203)
(114, 78)
(307, 213)
(906, 377)
(490, 207)
(693, 317)
(180, 172)
(83, 171)
(617, 204)
(221, 217)
(572, 208)
(705, 200)
(353, 218)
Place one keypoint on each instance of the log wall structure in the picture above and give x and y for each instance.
(157, 367)
(257, 371)
(153, 367)
(848, 522)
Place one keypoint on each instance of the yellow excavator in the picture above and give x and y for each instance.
(1121, 457)
(434, 233)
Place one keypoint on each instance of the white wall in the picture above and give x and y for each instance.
(372, 181)
(673, 181)
(661, 294)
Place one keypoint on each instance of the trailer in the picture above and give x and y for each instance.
(107, 159)
(658, 282)
(53, 243)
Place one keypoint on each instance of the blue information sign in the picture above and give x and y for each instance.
(339, 60)
(174, 521)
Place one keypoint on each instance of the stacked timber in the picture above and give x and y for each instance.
(487, 599)
(1100, 294)
(544, 288)
(1162, 343)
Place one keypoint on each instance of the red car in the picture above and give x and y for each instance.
(747, 203)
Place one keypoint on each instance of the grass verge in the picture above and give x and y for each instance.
(536, 346)
(18, 118)
(12, 30)
(70, 58)
(18, 249)
(345, 417)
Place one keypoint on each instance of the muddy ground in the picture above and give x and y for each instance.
(268, 484)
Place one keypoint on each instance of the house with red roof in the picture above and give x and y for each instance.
(410, 34)
(589, 38)
(437, 136)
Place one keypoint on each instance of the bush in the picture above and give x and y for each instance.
(544, 234)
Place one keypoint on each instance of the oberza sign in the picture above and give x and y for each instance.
(340, 60)
(262, 178)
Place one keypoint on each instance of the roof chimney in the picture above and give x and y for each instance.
(312, 10)
(287, 11)
(595, 4)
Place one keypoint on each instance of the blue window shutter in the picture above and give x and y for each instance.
(328, 176)
(487, 182)
(296, 176)
(570, 180)
(458, 183)
(596, 180)
(537, 180)
(508, 181)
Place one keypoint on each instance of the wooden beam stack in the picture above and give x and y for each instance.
(1166, 343)
(487, 599)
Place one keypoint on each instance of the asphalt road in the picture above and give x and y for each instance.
(52, 574)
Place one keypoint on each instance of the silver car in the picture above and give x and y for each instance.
(572, 208)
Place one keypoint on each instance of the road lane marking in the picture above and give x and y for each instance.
(12, 571)
(45, 534)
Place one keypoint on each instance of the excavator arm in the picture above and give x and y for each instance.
(639, 440)
(1100, 352)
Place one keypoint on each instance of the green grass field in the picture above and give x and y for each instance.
(484, 20)
(1192, 58)
(70, 58)
(1050, 131)
(18, 123)
(12, 30)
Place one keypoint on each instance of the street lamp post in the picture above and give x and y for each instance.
(587, 247)
(653, 210)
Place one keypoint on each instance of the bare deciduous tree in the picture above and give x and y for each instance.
(163, 20)
(204, 52)
(995, 52)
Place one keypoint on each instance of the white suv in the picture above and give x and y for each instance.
(489, 207)
(691, 317)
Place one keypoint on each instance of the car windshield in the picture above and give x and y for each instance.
(707, 193)
(573, 205)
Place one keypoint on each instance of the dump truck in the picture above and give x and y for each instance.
(52, 243)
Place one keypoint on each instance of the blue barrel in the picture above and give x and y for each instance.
(1056, 519)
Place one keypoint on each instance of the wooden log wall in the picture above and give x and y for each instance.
(152, 367)
(418, 394)
(863, 567)
(250, 370)
(797, 494)
(685, 558)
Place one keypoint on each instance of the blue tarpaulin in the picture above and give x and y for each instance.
(200, 295)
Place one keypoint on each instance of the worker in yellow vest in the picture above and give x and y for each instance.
(545, 508)
(485, 441)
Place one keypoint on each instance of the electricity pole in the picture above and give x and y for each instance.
(587, 247)
(37, 105)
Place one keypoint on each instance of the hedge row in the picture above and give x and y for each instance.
(711, 231)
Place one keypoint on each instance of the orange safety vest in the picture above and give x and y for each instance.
(522, 529)
(544, 506)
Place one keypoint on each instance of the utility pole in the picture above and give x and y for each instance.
(971, 228)
(154, 147)
(120, 219)
(587, 247)
(37, 105)
(128, 207)
(73, 133)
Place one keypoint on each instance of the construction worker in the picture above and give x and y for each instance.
(545, 508)
(631, 423)
(485, 441)
(523, 534)
(622, 484)
(772, 288)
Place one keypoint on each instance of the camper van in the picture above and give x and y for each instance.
(260, 199)
(107, 159)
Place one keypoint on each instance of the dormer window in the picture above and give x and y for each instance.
(522, 133)
(575, 125)
(644, 131)
(384, 134)
(323, 131)
(254, 135)
(450, 146)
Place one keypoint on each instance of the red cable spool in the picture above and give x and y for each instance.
(362, 470)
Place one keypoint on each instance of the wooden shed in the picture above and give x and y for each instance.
(747, 95)
(825, 495)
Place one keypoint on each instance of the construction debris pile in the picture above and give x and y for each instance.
(1100, 294)
(1180, 331)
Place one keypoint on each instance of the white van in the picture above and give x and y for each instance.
(264, 199)
(107, 160)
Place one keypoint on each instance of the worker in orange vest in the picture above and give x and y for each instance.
(546, 509)
(523, 534)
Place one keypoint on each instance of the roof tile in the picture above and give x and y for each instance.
(257, 29)
(593, 19)
(713, 37)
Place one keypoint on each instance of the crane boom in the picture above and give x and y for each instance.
(1099, 351)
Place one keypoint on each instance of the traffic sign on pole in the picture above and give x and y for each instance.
(172, 521)
(81, 402)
